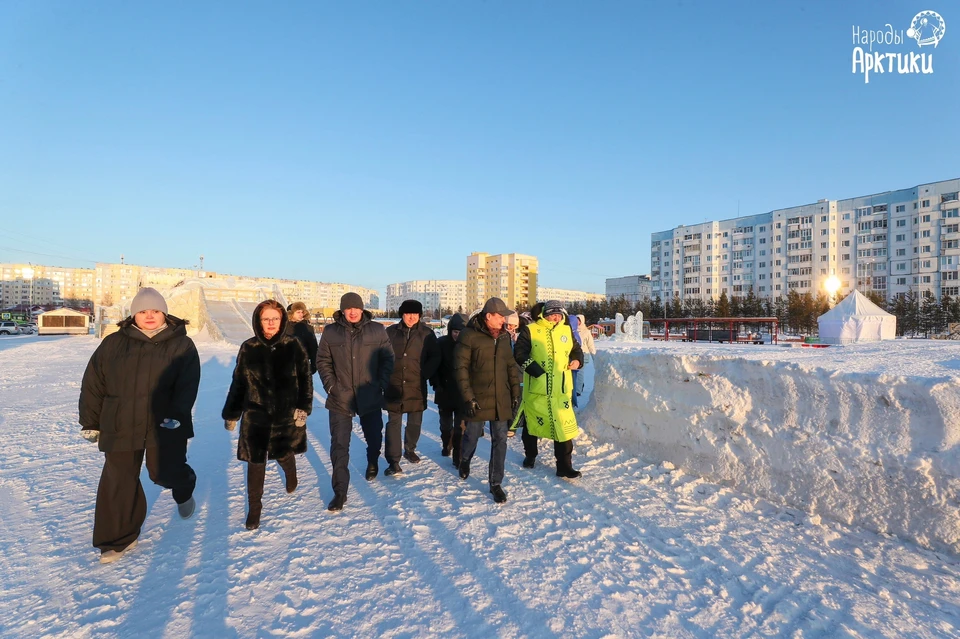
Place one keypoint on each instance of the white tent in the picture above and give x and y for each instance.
(856, 319)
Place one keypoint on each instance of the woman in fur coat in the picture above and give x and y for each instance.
(272, 390)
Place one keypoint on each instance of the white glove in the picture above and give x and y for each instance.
(300, 418)
(92, 436)
(230, 424)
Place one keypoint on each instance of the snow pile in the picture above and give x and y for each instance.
(842, 432)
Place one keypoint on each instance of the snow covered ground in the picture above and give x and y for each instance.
(631, 550)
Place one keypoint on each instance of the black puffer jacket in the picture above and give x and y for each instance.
(486, 371)
(133, 382)
(416, 359)
(271, 380)
(355, 363)
(308, 338)
(446, 394)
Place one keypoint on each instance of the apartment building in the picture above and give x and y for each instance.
(116, 284)
(37, 284)
(567, 296)
(633, 288)
(510, 276)
(433, 294)
(890, 242)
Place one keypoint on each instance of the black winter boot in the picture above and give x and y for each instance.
(336, 504)
(393, 469)
(445, 441)
(372, 469)
(289, 466)
(255, 473)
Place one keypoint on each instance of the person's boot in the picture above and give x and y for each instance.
(289, 466)
(373, 469)
(445, 441)
(565, 465)
(529, 462)
(411, 456)
(464, 469)
(255, 473)
(393, 469)
(336, 504)
(499, 496)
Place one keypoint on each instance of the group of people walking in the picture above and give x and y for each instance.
(140, 385)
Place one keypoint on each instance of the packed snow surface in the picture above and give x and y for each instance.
(864, 434)
(633, 549)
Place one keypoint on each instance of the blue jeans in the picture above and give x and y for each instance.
(498, 447)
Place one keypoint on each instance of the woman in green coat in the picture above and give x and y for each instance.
(548, 355)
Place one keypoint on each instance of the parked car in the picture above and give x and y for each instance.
(29, 328)
(9, 328)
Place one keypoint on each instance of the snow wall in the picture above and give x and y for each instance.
(873, 450)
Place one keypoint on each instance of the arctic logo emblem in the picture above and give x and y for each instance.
(927, 27)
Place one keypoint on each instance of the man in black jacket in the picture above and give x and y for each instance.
(488, 380)
(417, 357)
(137, 397)
(446, 394)
(355, 361)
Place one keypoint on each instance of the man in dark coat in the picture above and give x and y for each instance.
(136, 398)
(416, 359)
(272, 388)
(355, 361)
(488, 380)
(299, 327)
(446, 394)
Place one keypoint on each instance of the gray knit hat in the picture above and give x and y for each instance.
(148, 299)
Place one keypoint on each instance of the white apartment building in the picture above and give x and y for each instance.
(633, 288)
(433, 294)
(890, 242)
(567, 296)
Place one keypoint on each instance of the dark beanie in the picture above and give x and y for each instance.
(411, 306)
(351, 300)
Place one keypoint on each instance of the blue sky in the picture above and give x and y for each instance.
(377, 142)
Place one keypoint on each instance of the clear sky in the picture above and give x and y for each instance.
(377, 142)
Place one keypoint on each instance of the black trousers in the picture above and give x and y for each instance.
(451, 430)
(563, 451)
(341, 429)
(121, 503)
(411, 435)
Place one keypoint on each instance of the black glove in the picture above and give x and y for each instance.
(535, 369)
(515, 404)
(473, 408)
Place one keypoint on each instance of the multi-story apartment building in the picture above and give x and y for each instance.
(117, 284)
(433, 294)
(890, 242)
(510, 276)
(633, 288)
(567, 296)
(37, 284)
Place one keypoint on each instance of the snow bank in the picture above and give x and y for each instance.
(864, 435)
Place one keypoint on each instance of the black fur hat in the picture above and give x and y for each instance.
(411, 306)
